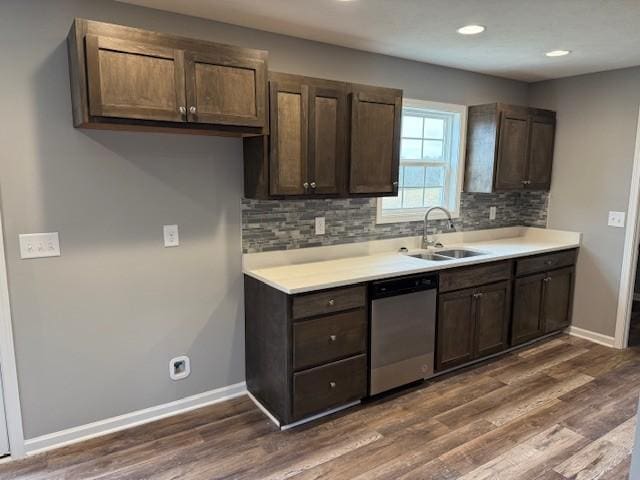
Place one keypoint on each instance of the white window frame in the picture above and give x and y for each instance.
(417, 214)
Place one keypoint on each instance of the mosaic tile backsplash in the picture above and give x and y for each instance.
(269, 225)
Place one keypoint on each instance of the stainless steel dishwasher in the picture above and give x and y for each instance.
(403, 324)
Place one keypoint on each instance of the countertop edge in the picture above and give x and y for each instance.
(430, 268)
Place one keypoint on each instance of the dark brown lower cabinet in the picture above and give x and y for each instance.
(558, 299)
(455, 335)
(329, 386)
(527, 308)
(472, 323)
(542, 303)
(308, 353)
(493, 309)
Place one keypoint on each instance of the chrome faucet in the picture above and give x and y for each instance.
(426, 243)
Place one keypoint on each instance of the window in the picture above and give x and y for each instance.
(431, 154)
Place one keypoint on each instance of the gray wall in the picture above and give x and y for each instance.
(595, 140)
(95, 328)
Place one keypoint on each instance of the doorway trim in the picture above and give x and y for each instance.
(630, 253)
(9, 372)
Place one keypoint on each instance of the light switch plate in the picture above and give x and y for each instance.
(616, 219)
(39, 245)
(171, 236)
(319, 225)
(492, 213)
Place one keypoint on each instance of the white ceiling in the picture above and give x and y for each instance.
(602, 34)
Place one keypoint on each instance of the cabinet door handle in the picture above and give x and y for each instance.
(331, 302)
(192, 110)
(182, 110)
(306, 185)
(477, 295)
(395, 184)
(313, 185)
(547, 279)
(332, 338)
(332, 384)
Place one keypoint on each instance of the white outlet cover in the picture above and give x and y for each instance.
(616, 219)
(184, 372)
(320, 226)
(171, 235)
(39, 245)
(492, 213)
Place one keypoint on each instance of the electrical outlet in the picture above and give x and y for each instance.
(179, 367)
(319, 225)
(171, 236)
(616, 219)
(492, 213)
(39, 245)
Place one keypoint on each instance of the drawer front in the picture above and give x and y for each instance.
(326, 339)
(330, 301)
(329, 386)
(468, 277)
(542, 263)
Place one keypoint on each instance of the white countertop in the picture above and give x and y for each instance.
(318, 275)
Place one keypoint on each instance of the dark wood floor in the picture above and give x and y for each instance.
(563, 409)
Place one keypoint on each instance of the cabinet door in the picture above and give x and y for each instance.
(288, 144)
(375, 143)
(226, 90)
(327, 140)
(541, 152)
(512, 152)
(558, 298)
(133, 80)
(492, 318)
(455, 332)
(527, 308)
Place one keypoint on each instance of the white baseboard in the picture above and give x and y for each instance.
(595, 337)
(264, 410)
(128, 420)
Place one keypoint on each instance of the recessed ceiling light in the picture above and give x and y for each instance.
(558, 53)
(471, 29)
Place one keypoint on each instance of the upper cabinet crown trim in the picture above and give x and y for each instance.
(129, 78)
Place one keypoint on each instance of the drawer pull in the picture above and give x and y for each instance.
(332, 338)
(331, 302)
(549, 262)
(332, 384)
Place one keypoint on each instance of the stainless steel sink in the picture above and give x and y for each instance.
(444, 255)
(458, 253)
(431, 256)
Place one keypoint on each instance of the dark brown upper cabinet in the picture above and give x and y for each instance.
(289, 106)
(376, 117)
(132, 80)
(308, 136)
(509, 148)
(129, 78)
(221, 89)
(328, 133)
(327, 139)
